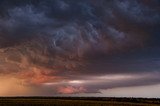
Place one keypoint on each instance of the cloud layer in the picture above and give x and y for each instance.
(67, 46)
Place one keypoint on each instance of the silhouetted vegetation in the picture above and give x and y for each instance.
(77, 101)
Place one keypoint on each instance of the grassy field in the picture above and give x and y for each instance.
(77, 101)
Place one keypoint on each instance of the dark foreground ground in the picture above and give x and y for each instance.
(77, 101)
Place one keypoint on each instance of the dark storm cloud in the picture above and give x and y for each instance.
(32, 16)
(138, 12)
(54, 40)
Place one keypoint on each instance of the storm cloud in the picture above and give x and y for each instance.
(54, 45)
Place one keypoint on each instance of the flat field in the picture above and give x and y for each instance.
(77, 101)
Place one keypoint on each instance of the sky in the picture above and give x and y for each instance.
(106, 48)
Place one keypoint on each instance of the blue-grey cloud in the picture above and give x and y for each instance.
(68, 38)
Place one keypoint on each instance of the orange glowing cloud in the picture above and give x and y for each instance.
(70, 90)
(38, 76)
